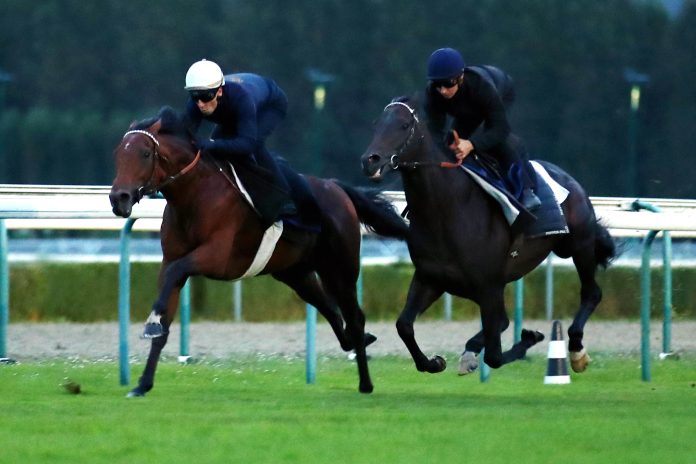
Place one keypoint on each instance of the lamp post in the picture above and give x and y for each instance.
(5, 78)
(636, 80)
(320, 80)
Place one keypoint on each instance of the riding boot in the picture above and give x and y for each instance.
(266, 160)
(529, 199)
(302, 195)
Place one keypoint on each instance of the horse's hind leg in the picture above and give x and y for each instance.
(590, 296)
(420, 297)
(309, 288)
(340, 284)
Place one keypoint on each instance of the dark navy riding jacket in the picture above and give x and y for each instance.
(480, 100)
(245, 96)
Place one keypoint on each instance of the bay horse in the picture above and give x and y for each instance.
(209, 229)
(461, 243)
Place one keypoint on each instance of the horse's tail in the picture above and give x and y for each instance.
(605, 247)
(375, 211)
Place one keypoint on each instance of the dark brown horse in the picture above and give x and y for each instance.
(461, 243)
(209, 229)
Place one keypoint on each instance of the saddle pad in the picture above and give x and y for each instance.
(550, 219)
(269, 240)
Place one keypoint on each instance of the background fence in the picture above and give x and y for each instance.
(88, 208)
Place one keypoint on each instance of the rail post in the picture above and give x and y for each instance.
(549, 287)
(124, 302)
(4, 289)
(519, 309)
(185, 316)
(311, 342)
(645, 293)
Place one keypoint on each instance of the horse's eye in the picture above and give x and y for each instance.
(405, 125)
(147, 154)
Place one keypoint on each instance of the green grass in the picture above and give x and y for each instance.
(260, 410)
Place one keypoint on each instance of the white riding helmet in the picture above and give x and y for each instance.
(203, 75)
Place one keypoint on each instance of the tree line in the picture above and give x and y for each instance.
(74, 74)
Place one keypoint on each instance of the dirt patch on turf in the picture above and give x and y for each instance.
(219, 340)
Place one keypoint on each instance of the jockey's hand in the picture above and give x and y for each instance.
(204, 144)
(460, 147)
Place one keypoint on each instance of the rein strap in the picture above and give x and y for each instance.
(169, 179)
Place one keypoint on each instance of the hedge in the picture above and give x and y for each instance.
(89, 292)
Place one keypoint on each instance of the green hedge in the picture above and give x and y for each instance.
(89, 292)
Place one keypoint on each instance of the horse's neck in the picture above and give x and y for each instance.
(185, 191)
(429, 188)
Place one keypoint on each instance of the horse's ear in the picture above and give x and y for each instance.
(417, 99)
(155, 128)
(132, 124)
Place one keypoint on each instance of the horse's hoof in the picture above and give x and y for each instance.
(468, 363)
(369, 339)
(135, 393)
(437, 364)
(579, 360)
(367, 388)
(152, 330)
(531, 337)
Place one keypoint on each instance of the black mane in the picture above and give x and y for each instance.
(172, 123)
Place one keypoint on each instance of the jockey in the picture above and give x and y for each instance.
(477, 97)
(245, 109)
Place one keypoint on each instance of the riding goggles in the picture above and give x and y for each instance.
(446, 83)
(204, 95)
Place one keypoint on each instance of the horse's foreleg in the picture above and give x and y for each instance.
(493, 317)
(468, 361)
(420, 297)
(147, 379)
(171, 278)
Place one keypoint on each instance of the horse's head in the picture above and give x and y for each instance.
(148, 158)
(397, 133)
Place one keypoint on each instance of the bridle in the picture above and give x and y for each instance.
(149, 188)
(394, 162)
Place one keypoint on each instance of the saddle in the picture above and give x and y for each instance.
(547, 220)
(270, 201)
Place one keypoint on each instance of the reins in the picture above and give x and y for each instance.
(149, 188)
(394, 162)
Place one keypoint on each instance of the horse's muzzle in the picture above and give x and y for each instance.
(373, 166)
(122, 202)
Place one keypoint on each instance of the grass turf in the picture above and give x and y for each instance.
(260, 410)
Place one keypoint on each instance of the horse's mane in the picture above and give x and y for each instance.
(172, 123)
(417, 102)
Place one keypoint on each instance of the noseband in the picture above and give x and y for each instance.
(149, 188)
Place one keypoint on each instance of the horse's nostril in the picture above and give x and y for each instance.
(374, 158)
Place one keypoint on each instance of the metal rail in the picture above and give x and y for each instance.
(87, 208)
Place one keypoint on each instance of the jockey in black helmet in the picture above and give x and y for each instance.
(477, 97)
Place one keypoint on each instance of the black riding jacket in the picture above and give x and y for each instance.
(481, 100)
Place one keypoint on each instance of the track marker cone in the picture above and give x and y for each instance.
(557, 367)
